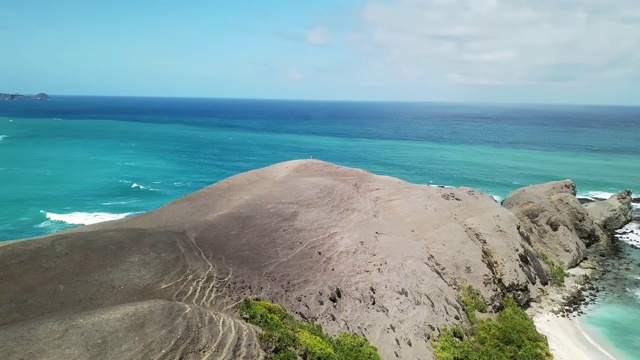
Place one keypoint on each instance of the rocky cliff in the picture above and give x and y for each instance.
(356, 252)
(554, 221)
(613, 213)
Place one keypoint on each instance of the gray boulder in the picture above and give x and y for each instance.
(614, 213)
(555, 222)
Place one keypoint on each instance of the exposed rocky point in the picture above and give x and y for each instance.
(555, 221)
(613, 213)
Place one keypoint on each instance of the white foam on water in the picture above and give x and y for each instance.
(2, 137)
(114, 203)
(83, 218)
(630, 234)
(142, 187)
(599, 195)
(496, 198)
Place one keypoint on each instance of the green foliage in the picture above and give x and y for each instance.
(353, 347)
(472, 301)
(286, 354)
(314, 347)
(513, 336)
(556, 272)
(284, 338)
(557, 275)
(274, 320)
(545, 258)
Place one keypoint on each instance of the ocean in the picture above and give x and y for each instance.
(71, 161)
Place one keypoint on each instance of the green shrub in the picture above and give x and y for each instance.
(556, 272)
(313, 347)
(512, 336)
(286, 354)
(472, 301)
(557, 275)
(284, 338)
(273, 320)
(353, 347)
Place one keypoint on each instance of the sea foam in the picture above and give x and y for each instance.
(630, 234)
(84, 218)
(142, 187)
(2, 137)
(595, 195)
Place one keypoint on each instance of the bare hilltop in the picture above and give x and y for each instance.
(353, 251)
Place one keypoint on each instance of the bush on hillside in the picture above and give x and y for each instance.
(284, 338)
(512, 336)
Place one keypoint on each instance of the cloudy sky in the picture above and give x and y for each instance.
(540, 51)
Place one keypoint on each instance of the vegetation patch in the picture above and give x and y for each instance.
(556, 272)
(557, 275)
(512, 336)
(472, 301)
(285, 338)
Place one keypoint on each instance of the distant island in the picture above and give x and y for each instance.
(40, 96)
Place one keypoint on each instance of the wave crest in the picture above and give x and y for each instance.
(84, 218)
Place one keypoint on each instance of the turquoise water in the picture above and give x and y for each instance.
(73, 160)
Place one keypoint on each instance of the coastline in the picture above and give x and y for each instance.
(561, 312)
(570, 339)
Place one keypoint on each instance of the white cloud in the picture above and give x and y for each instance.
(318, 36)
(294, 75)
(510, 42)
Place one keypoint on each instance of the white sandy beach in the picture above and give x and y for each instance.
(568, 341)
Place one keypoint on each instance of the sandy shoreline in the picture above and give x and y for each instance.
(569, 341)
(570, 338)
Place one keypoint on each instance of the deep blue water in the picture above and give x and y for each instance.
(77, 160)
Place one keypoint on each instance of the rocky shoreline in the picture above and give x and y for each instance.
(599, 277)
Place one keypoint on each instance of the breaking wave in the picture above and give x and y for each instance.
(82, 218)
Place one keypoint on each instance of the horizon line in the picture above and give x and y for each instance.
(465, 102)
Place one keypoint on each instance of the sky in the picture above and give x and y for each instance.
(522, 51)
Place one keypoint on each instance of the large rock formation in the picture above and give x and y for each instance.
(354, 251)
(614, 213)
(554, 220)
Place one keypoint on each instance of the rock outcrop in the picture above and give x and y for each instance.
(614, 213)
(40, 96)
(554, 221)
(353, 251)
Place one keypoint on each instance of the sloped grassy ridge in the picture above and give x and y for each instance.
(285, 338)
